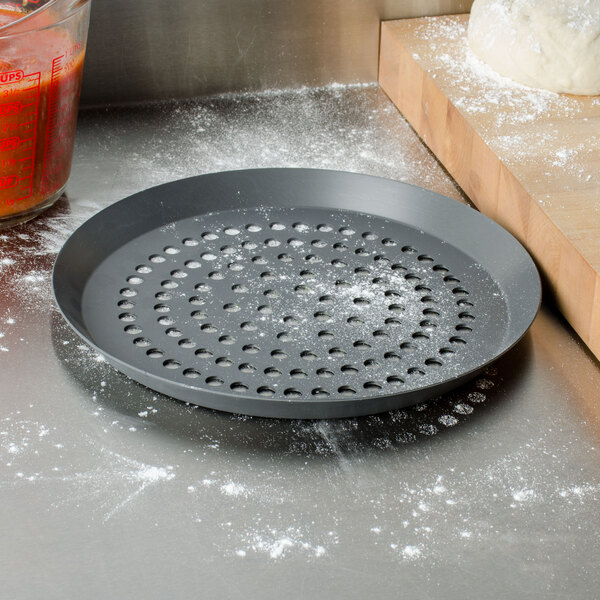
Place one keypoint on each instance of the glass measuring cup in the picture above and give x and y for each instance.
(42, 48)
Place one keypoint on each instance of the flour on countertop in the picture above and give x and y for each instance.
(116, 454)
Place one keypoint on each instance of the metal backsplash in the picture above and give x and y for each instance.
(155, 49)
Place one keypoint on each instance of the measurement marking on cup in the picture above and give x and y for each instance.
(52, 120)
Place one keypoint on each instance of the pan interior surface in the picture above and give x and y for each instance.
(307, 311)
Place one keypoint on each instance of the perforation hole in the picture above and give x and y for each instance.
(361, 301)
(248, 326)
(284, 336)
(318, 243)
(341, 283)
(127, 317)
(346, 390)
(192, 264)
(286, 258)
(227, 340)
(266, 391)
(371, 363)
(303, 289)
(195, 300)
(132, 329)
(174, 332)
(349, 370)
(259, 260)
(209, 236)
(326, 334)
(251, 349)
(362, 345)
(308, 355)
(247, 368)
(272, 243)
(209, 256)
(171, 364)
(155, 353)
(372, 386)
(320, 392)
(231, 231)
(273, 372)
(203, 287)
(214, 381)
(433, 362)
(279, 354)
(126, 304)
(323, 317)
(292, 393)
(231, 308)
(203, 353)
(465, 316)
(156, 258)
(191, 373)
(240, 288)
(238, 386)
(209, 328)
(298, 374)
(337, 352)
(416, 371)
(172, 250)
(395, 380)
(325, 373)
(187, 343)
(355, 321)
(324, 228)
(190, 242)
(142, 342)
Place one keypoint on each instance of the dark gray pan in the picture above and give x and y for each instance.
(296, 293)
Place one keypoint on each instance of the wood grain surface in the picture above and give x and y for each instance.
(529, 159)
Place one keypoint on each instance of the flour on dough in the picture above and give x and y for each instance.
(549, 44)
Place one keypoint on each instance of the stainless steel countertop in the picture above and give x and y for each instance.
(112, 491)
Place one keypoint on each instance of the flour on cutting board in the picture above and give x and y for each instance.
(508, 106)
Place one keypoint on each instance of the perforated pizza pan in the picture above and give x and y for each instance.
(296, 293)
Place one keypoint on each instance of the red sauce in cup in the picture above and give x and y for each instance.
(40, 84)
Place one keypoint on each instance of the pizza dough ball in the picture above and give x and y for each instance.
(549, 44)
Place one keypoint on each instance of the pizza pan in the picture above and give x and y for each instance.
(296, 293)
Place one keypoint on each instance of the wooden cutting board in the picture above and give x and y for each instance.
(528, 159)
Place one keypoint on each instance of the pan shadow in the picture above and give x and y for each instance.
(453, 414)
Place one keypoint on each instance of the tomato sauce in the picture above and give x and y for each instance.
(40, 84)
